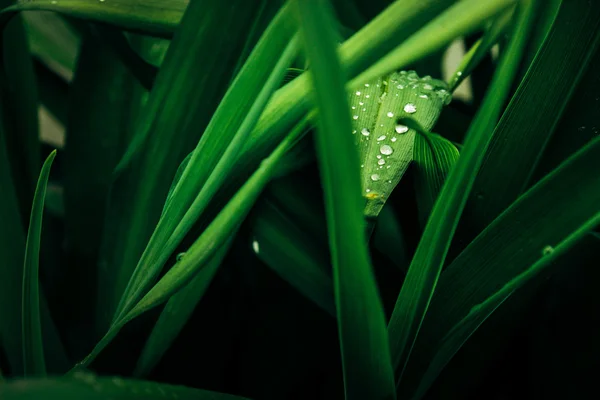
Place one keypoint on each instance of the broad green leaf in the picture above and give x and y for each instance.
(483, 46)
(188, 87)
(535, 110)
(289, 252)
(204, 248)
(462, 18)
(153, 17)
(535, 224)
(176, 313)
(426, 266)
(220, 146)
(33, 347)
(386, 147)
(19, 108)
(53, 42)
(365, 354)
(462, 331)
(434, 158)
(88, 386)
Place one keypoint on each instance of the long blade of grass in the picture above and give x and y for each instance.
(203, 249)
(33, 348)
(462, 18)
(180, 105)
(535, 110)
(544, 216)
(421, 280)
(463, 330)
(176, 313)
(483, 46)
(250, 91)
(152, 17)
(361, 323)
(88, 386)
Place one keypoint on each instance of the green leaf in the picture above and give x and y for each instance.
(385, 147)
(421, 280)
(434, 158)
(288, 251)
(460, 333)
(366, 360)
(152, 17)
(535, 110)
(220, 146)
(535, 224)
(483, 46)
(187, 89)
(88, 386)
(33, 348)
(461, 19)
(203, 249)
(176, 313)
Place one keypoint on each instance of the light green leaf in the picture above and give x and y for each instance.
(153, 17)
(421, 280)
(366, 360)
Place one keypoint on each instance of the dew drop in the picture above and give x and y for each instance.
(180, 257)
(381, 162)
(355, 117)
(401, 128)
(367, 96)
(367, 85)
(365, 132)
(390, 114)
(361, 103)
(394, 139)
(380, 138)
(255, 246)
(375, 177)
(400, 87)
(423, 96)
(378, 155)
(358, 93)
(410, 108)
(547, 250)
(386, 150)
(354, 107)
(427, 87)
(368, 190)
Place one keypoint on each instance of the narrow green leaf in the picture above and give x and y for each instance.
(421, 280)
(176, 313)
(366, 360)
(289, 252)
(153, 17)
(535, 109)
(463, 330)
(434, 158)
(544, 216)
(200, 182)
(33, 348)
(88, 386)
(462, 18)
(187, 90)
(203, 249)
(483, 46)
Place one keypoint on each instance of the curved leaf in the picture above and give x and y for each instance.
(152, 17)
(33, 348)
